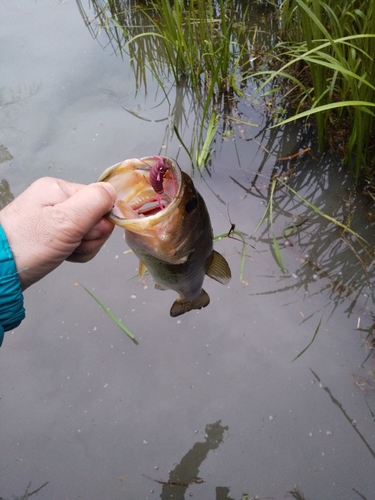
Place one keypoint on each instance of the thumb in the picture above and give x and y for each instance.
(88, 205)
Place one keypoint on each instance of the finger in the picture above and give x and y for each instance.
(81, 258)
(102, 228)
(87, 249)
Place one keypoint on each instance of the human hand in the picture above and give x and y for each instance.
(54, 220)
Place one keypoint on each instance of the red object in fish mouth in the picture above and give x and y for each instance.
(157, 174)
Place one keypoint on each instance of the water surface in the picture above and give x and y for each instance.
(213, 394)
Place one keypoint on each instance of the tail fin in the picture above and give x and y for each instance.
(181, 306)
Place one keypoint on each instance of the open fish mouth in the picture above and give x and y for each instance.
(146, 187)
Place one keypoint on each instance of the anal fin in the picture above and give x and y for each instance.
(160, 287)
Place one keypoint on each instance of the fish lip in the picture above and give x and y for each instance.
(143, 166)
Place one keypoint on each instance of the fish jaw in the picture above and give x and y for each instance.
(135, 196)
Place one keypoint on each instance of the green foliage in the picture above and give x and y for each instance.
(337, 42)
(199, 45)
(196, 39)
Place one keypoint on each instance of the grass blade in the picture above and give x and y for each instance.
(318, 211)
(276, 249)
(112, 316)
(243, 252)
(315, 334)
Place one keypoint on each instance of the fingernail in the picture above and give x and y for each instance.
(111, 190)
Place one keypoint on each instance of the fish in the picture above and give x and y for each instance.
(168, 227)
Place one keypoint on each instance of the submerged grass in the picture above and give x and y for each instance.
(240, 236)
(310, 343)
(268, 215)
(112, 316)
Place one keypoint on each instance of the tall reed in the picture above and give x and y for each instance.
(337, 42)
(200, 40)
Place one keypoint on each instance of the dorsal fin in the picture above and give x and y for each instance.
(217, 268)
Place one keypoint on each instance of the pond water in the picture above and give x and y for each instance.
(213, 394)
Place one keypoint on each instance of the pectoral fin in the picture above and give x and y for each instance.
(181, 306)
(217, 268)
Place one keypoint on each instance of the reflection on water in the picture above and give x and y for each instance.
(322, 251)
(351, 421)
(187, 471)
(4, 154)
(6, 195)
(28, 494)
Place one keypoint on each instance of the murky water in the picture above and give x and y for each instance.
(214, 394)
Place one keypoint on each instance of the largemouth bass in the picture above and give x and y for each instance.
(168, 227)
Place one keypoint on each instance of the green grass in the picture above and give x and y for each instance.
(329, 49)
(324, 57)
(240, 236)
(112, 316)
(196, 44)
(195, 39)
(269, 213)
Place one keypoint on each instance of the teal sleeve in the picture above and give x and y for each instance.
(12, 311)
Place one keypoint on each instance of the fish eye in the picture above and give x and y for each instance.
(191, 205)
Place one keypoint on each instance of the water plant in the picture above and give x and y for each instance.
(329, 49)
(200, 41)
(192, 43)
(112, 316)
(197, 43)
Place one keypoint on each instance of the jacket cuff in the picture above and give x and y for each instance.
(12, 311)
